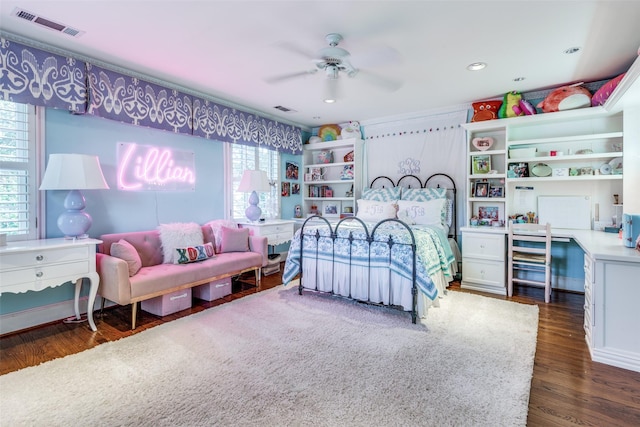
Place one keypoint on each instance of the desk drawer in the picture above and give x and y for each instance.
(40, 277)
(43, 257)
(485, 246)
(483, 272)
(278, 238)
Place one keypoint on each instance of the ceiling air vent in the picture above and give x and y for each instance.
(47, 23)
(284, 109)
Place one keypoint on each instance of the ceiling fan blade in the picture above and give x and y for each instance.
(283, 77)
(296, 49)
(377, 58)
(386, 83)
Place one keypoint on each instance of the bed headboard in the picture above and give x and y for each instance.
(437, 180)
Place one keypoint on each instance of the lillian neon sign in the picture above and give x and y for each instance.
(150, 168)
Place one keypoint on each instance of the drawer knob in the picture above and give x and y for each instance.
(39, 258)
(39, 274)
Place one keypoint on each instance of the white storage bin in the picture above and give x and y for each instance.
(522, 152)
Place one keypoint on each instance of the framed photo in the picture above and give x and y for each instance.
(481, 164)
(331, 209)
(488, 213)
(286, 189)
(292, 171)
(295, 188)
(496, 191)
(481, 189)
(518, 170)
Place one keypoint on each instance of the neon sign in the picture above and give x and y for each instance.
(150, 168)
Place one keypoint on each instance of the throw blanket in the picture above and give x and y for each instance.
(433, 253)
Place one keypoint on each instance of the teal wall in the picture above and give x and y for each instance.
(116, 211)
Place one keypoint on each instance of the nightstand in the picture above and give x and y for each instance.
(277, 231)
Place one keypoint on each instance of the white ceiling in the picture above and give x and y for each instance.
(227, 49)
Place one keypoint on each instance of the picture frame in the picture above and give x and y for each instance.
(481, 164)
(518, 170)
(481, 189)
(286, 189)
(496, 191)
(291, 171)
(331, 209)
(295, 188)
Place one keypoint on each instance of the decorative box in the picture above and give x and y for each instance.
(213, 290)
(169, 303)
(520, 153)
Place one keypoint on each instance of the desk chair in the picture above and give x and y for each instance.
(529, 259)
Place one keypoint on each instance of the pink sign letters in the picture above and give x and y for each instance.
(150, 168)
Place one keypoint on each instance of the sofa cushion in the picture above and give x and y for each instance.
(151, 280)
(125, 251)
(178, 235)
(193, 253)
(216, 229)
(234, 240)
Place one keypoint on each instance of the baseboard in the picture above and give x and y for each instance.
(19, 320)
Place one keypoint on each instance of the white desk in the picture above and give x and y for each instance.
(277, 231)
(34, 265)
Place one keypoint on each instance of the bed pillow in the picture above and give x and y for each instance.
(382, 194)
(125, 251)
(374, 211)
(423, 213)
(234, 240)
(178, 235)
(194, 253)
(216, 227)
(423, 194)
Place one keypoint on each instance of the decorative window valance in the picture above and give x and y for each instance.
(130, 100)
(33, 76)
(213, 121)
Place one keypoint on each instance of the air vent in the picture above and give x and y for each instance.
(284, 109)
(47, 23)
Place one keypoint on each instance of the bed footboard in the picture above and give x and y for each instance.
(376, 266)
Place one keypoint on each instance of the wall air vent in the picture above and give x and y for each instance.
(284, 109)
(47, 23)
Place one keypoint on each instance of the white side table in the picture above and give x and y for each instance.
(277, 231)
(34, 265)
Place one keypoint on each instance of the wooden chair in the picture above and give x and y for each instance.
(525, 259)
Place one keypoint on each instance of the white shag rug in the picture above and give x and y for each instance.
(279, 359)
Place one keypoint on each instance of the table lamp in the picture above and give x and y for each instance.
(73, 172)
(251, 182)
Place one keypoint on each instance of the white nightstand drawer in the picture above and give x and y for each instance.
(42, 276)
(486, 246)
(43, 257)
(484, 272)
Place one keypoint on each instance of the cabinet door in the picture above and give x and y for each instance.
(483, 272)
(484, 246)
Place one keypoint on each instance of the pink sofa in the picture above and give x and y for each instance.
(156, 279)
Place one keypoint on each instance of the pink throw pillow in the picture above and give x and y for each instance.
(234, 240)
(602, 94)
(125, 251)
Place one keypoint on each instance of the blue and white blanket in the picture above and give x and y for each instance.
(433, 252)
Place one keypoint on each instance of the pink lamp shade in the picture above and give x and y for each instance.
(73, 172)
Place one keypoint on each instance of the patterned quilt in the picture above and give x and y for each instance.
(433, 252)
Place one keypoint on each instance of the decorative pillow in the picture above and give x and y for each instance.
(234, 240)
(178, 235)
(374, 211)
(602, 94)
(194, 253)
(125, 251)
(216, 227)
(424, 213)
(381, 194)
(423, 194)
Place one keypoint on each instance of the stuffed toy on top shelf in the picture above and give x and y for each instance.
(515, 105)
(566, 98)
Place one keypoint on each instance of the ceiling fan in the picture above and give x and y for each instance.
(335, 61)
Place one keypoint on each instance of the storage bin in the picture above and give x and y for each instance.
(169, 303)
(522, 152)
(213, 290)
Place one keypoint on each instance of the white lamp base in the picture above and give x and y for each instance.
(253, 212)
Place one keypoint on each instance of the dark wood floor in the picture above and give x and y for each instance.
(567, 387)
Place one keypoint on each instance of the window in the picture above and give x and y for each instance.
(18, 177)
(251, 157)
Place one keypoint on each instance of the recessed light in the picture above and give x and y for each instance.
(572, 50)
(519, 79)
(475, 66)
(329, 101)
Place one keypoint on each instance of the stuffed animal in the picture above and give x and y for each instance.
(352, 130)
(511, 100)
(485, 110)
(524, 108)
(566, 98)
